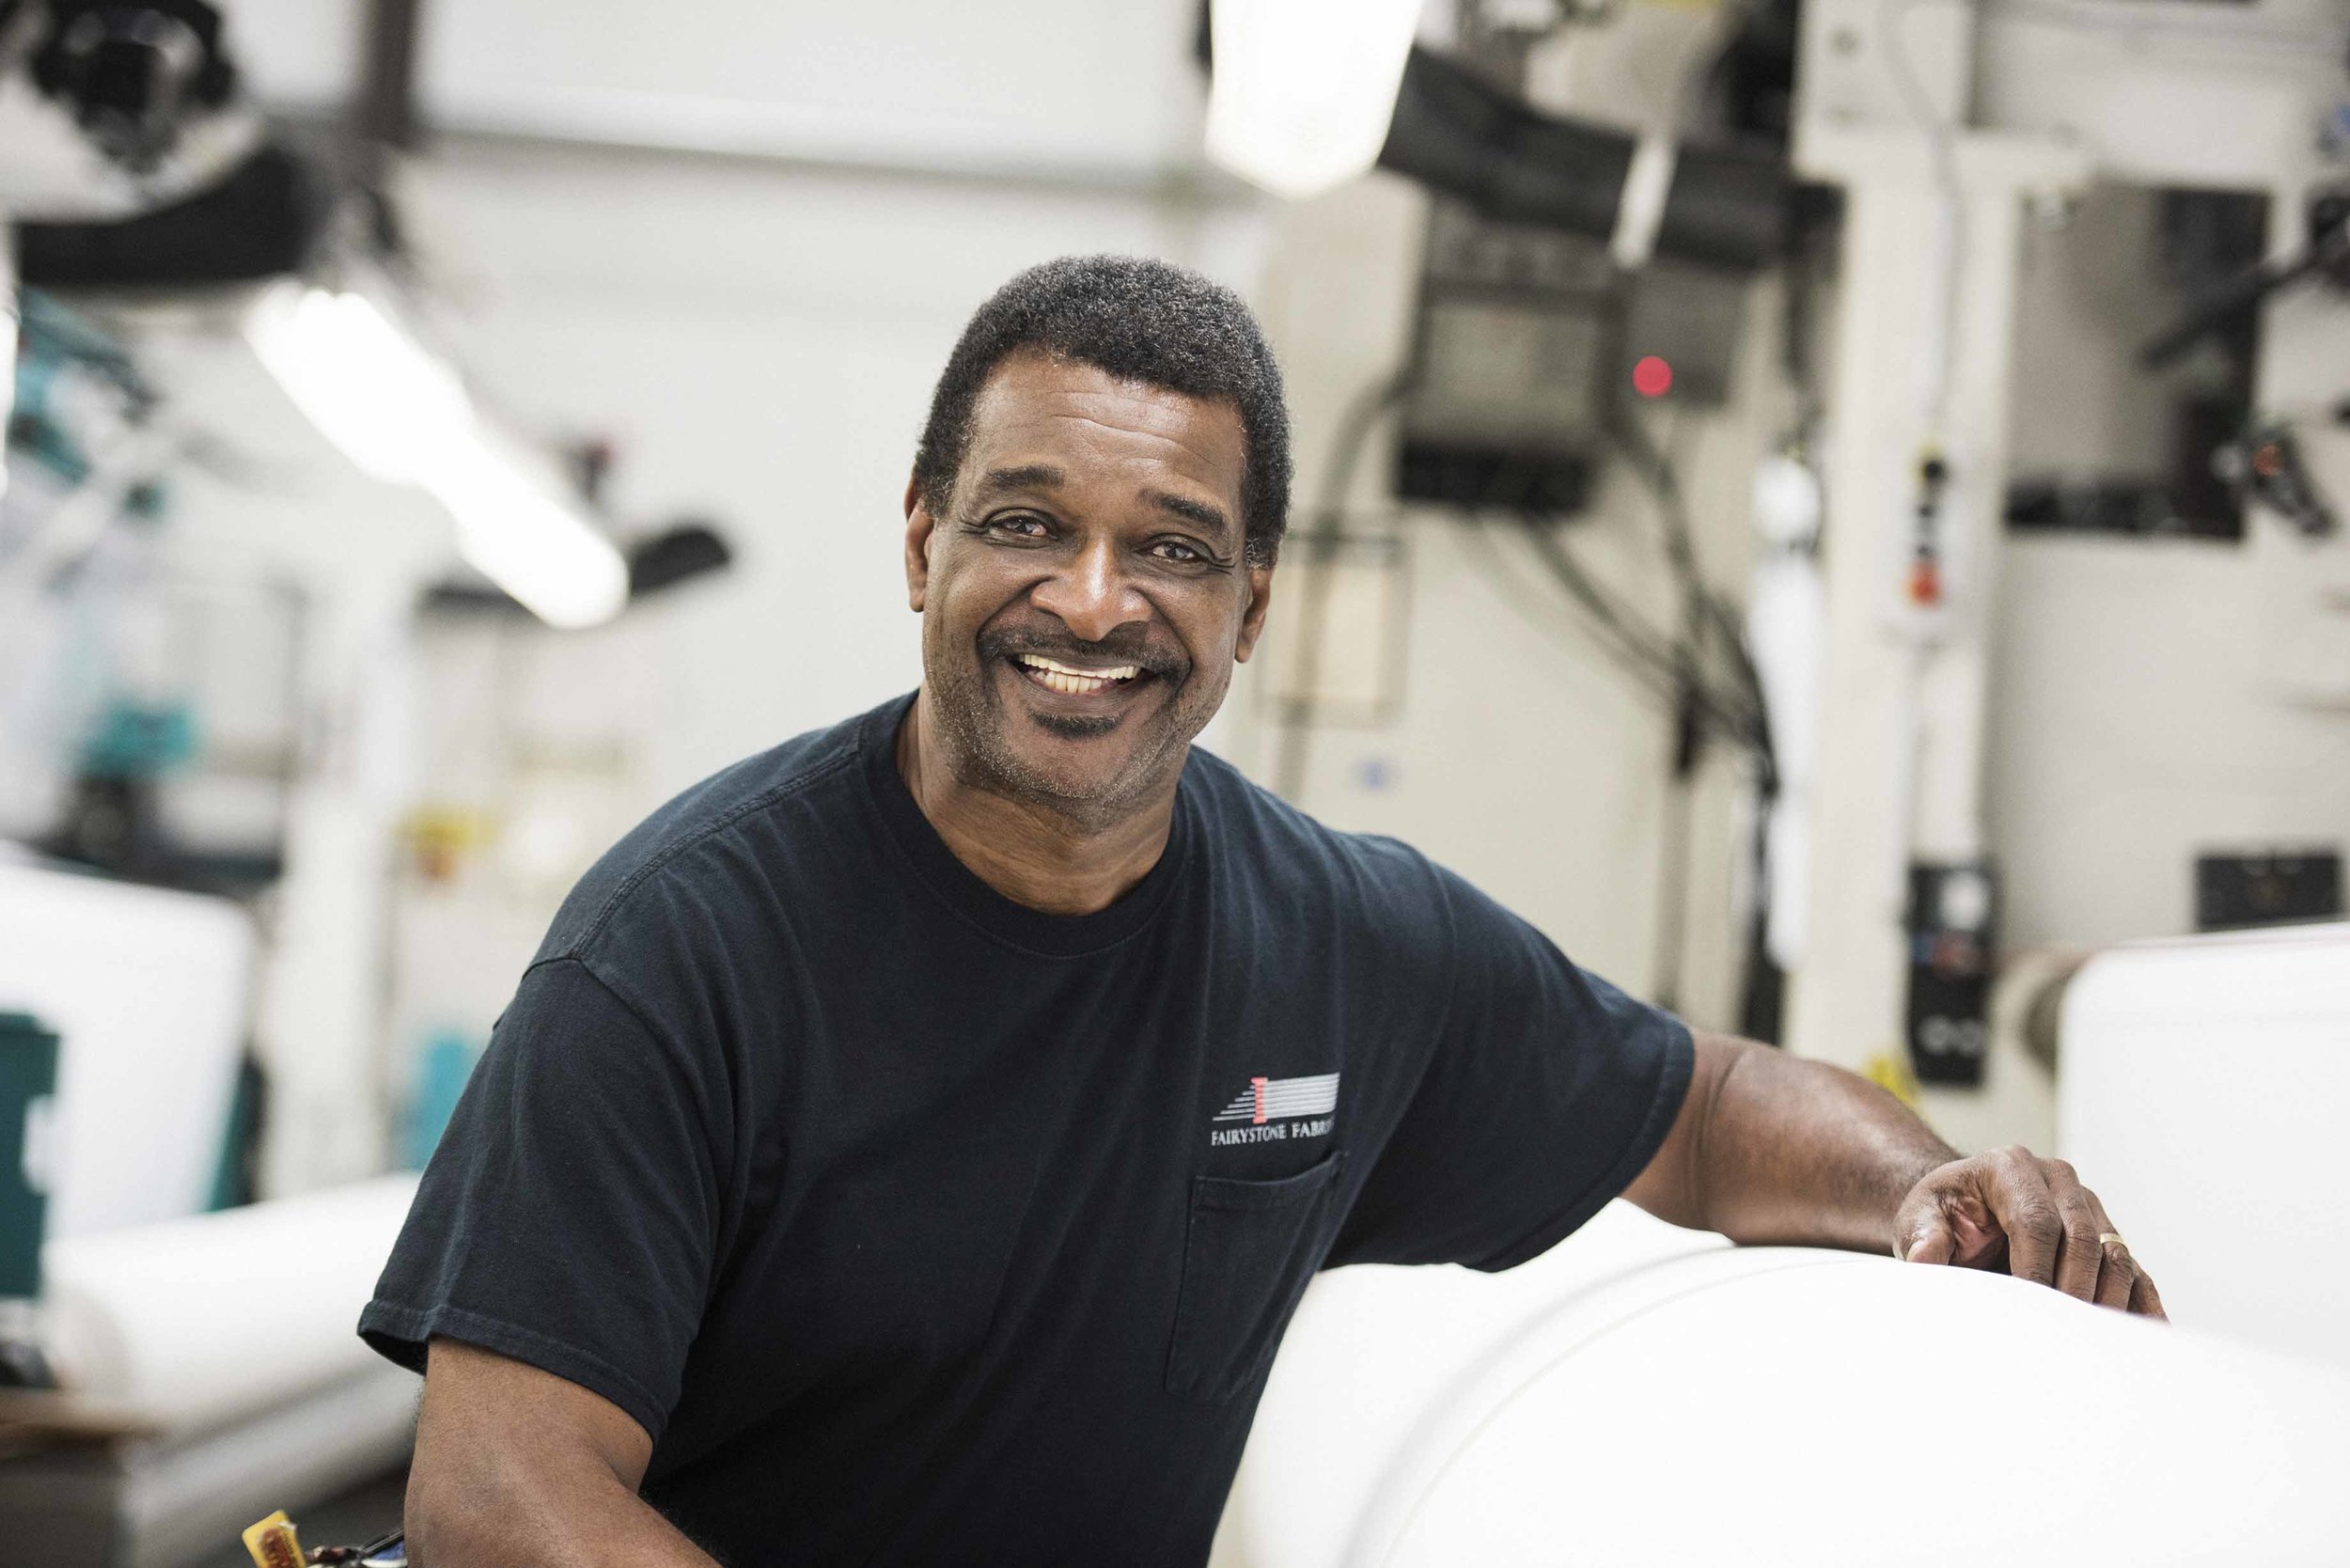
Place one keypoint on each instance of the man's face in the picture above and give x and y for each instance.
(1086, 597)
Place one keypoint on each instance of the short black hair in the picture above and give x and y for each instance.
(1139, 320)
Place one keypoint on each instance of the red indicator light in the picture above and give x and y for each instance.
(1652, 375)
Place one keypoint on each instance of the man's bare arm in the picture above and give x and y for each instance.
(1769, 1148)
(515, 1464)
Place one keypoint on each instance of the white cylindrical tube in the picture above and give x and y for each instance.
(1679, 1401)
(193, 1321)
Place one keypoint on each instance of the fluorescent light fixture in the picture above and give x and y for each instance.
(400, 414)
(1304, 89)
(518, 531)
(368, 386)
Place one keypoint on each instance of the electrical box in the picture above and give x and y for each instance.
(1952, 909)
(2278, 888)
(1515, 331)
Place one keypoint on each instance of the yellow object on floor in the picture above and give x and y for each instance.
(273, 1543)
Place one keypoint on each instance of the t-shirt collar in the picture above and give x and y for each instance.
(1054, 936)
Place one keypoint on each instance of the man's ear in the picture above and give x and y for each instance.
(920, 524)
(1252, 619)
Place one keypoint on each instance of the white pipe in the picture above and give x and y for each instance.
(1648, 1396)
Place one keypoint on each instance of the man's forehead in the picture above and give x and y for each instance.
(1052, 405)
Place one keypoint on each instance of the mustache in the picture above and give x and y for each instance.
(1116, 648)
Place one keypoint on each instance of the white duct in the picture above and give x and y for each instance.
(2204, 1084)
(200, 1321)
(1642, 1395)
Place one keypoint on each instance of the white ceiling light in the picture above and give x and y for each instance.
(517, 529)
(401, 415)
(1304, 89)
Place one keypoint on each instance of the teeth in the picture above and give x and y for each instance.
(1072, 682)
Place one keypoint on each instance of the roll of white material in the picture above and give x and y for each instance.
(197, 1321)
(1683, 1403)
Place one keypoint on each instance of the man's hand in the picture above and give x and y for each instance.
(2011, 1210)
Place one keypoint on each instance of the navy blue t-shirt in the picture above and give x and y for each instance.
(919, 1225)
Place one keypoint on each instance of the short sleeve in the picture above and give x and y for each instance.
(1548, 1091)
(569, 1217)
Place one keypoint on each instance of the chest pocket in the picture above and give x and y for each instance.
(1248, 1251)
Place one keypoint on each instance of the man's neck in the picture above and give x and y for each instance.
(1029, 853)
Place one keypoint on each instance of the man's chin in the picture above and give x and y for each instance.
(1080, 766)
(1078, 727)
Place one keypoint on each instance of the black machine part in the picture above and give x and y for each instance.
(1952, 916)
(1459, 133)
(2325, 255)
(2266, 468)
(2233, 891)
(133, 74)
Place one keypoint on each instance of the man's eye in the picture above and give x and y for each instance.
(1019, 524)
(1177, 551)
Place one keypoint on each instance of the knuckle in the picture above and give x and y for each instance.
(2064, 1169)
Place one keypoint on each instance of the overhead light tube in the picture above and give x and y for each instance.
(1304, 89)
(400, 414)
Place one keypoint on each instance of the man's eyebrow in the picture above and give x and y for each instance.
(1027, 475)
(1197, 512)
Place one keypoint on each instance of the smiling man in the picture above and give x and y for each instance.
(910, 1144)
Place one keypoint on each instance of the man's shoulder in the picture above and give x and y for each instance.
(1259, 835)
(718, 838)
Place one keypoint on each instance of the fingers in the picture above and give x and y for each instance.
(2032, 1215)
(2017, 1193)
(2081, 1255)
(1933, 1241)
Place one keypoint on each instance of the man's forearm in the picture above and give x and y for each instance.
(1795, 1151)
(509, 1512)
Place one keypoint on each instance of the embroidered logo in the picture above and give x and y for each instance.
(1274, 1109)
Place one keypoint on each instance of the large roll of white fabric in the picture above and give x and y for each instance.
(1650, 1397)
(193, 1321)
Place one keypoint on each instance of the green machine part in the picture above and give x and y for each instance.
(28, 1084)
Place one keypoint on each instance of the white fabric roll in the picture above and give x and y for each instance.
(196, 1321)
(1681, 1403)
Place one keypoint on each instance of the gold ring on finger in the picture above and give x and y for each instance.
(2113, 1238)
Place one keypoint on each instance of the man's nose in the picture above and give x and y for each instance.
(1091, 594)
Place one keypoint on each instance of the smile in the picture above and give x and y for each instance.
(1072, 679)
